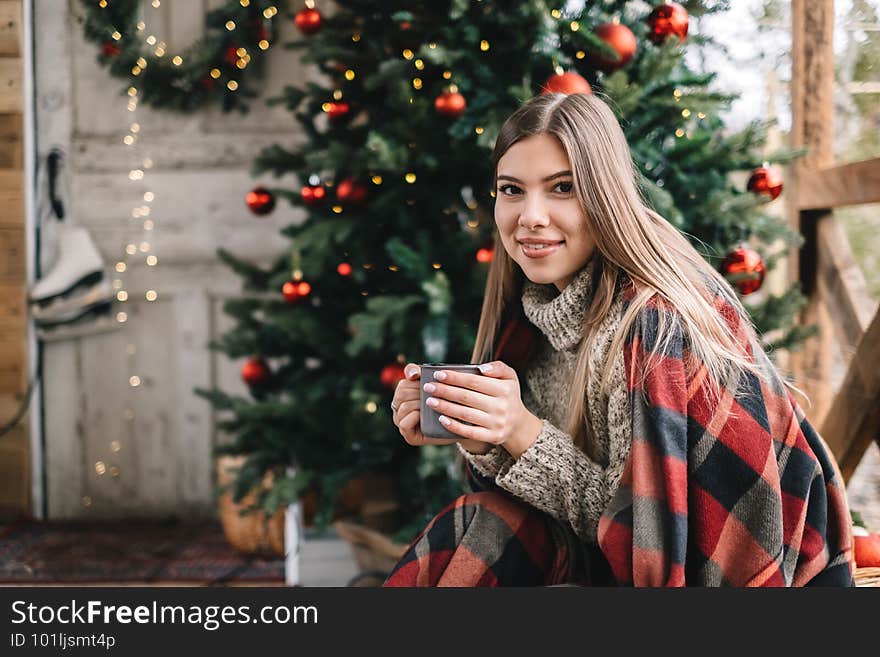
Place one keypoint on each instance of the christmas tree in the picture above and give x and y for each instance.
(388, 264)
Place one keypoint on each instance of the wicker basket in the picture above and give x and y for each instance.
(867, 577)
(373, 551)
(252, 533)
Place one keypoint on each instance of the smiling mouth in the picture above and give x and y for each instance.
(539, 247)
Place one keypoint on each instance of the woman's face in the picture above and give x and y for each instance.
(535, 204)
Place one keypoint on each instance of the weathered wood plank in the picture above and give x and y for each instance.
(66, 418)
(11, 140)
(11, 198)
(13, 363)
(812, 125)
(10, 28)
(842, 285)
(853, 422)
(14, 473)
(13, 343)
(11, 85)
(120, 445)
(192, 312)
(9, 405)
(813, 81)
(848, 184)
(12, 255)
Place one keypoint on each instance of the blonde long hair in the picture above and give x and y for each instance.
(631, 240)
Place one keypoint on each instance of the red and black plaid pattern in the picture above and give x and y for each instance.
(737, 491)
(488, 538)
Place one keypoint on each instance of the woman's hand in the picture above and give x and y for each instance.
(406, 409)
(492, 402)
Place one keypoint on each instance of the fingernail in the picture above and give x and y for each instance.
(485, 367)
(409, 371)
(430, 387)
(430, 401)
(440, 376)
(444, 420)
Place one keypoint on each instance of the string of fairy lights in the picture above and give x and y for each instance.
(155, 49)
(139, 250)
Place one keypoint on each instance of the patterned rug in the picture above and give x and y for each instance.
(130, 552)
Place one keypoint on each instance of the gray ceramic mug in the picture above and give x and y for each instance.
(429, 418)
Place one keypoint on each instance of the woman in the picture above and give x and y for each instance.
(630, 429)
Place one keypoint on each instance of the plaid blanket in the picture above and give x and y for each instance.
(740, 492)
(489, 538)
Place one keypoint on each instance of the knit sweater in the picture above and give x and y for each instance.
(553, 474)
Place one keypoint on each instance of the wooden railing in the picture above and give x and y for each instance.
(14, 458)
(848, 419)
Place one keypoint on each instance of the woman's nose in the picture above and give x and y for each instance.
(533, 216)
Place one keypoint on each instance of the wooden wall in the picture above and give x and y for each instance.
(14, 458)
(154, 441)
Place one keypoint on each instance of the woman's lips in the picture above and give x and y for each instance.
(540, 253)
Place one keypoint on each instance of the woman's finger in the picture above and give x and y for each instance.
(407, 407)
(459, 412)
(408, 421)
(483, 383)
(462, 396)
(466, 431)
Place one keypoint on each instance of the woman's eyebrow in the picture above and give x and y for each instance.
(547, 179)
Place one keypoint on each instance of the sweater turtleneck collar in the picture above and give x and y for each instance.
(560, 315)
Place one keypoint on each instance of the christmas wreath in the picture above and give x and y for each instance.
(217, 68)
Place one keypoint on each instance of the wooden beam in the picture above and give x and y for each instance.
(10, 28)
(848, 184)
(13, 350)
(12, 255)
(812, 91)
(11, 134)
(15, 476)
(841, 284)
(853, 422)
(11, 199)
(11, 71)
(813, 81)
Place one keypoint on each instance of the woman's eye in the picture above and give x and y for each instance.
(566, 188)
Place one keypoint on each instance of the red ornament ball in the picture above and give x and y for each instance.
(566, 83)
(344, 269)
(391, 374)
(294, 291)
(450, 104)
(337, 111)
(110, 49)
(619, 37)
(746, 268)
(765, 181)
(313, 194)
(349, 191)
(260, 201)
(232, 54)
(666, 20)
(866, 548)
(485, 255)
(309, 21)
(255, 371)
